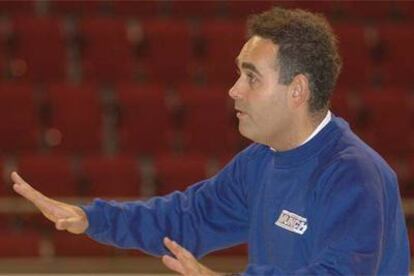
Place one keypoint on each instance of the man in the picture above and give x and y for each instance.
(309, 197)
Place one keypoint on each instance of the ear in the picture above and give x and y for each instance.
(299, 91)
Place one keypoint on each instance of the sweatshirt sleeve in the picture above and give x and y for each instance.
(348, 225)
(208, 216)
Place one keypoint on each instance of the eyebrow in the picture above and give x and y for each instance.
(249, 66)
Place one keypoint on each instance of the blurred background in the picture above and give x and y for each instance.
(128, 99)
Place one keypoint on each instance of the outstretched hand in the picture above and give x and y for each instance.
(184, 262)
(65, 216)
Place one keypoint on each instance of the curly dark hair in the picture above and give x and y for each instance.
(307, 45)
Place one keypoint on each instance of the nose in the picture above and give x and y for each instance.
(234, 92)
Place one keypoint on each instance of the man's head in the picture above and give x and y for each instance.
(288, 67)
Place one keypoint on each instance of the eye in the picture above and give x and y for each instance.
(251, 78)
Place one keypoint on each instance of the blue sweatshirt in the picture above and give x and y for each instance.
(330, 206)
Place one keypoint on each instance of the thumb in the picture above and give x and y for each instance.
(71, 224)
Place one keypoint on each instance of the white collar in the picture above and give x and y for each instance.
(324, 122)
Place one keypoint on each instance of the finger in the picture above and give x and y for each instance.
(173, 264)
(63, 224)
(179, 251)
(173, 247)
(24, 189)
(42, 202)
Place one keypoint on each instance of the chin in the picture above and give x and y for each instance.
(247, 134)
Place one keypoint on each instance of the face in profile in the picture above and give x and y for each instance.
(261, 103)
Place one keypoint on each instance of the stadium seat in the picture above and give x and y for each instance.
(178, 172)
(405, 9)
(8, 7)
(52, 175)
(195, 9)
(396, 65)
(69, 245)
(145, 126)
(223, 40)
(328, 8)
(77, 7)
(4, 191)
(137, 9)
(39, 52)
(365, 10)
(107, 51)
(209, 120)
(401, 165)
(346, 103)
(356, 54)
(167, 50)
(116, 176)
(4, 51)
(19, 126)
(76, 118)
(242, 9)
(389, 115)
(19, 244)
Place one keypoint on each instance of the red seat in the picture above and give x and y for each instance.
(76, 122)
(4, 51)
(78, 7)
(404, 9)
(199, 8)
(208, 110)
(112, 176)
(396, 65)
(366, 10)
(51, 175)
(19, 243)
(408, 191)
(355, 50)
(345, 103)
(168, 50)
(400, 164)
(19, 126)
(390, 116)
(17, 7)
(246, 8)
(4, 191)
(107, 52)
(223, 41)
(69, 245)
(178, 172)
(145, 125)
(137, 8)
(40, 52)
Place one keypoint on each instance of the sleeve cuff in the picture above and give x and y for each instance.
(95, 214)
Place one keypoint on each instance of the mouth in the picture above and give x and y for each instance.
(240, 113)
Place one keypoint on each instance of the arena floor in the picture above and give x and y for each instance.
(108, 266)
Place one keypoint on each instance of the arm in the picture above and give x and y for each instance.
(209, 215)
(349, 229)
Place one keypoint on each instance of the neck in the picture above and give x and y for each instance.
(297, 131)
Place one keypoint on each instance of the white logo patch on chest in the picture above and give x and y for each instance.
(292, 222)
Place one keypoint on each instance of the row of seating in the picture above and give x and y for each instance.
(108, 176)
(71, 119)
(109, 50)
(149, 119)
(179, 8)
(123, 175)
(30, 243)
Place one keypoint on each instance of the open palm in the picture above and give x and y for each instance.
(65, 216)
